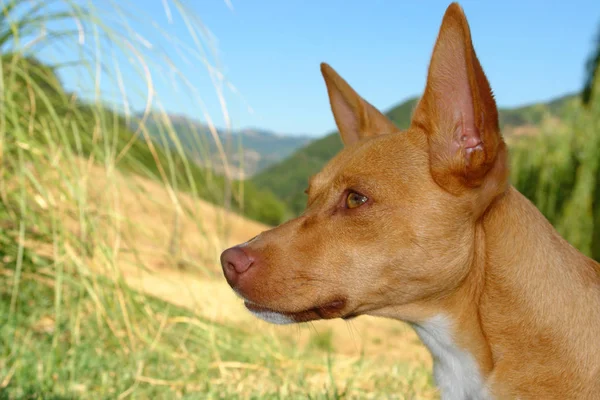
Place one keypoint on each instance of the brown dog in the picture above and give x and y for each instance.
(423, 226)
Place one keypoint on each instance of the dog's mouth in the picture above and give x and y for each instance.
(329, 310)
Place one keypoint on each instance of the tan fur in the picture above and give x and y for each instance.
(442, 232)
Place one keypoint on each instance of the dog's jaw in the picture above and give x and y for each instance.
(329, 310)
(272, 317)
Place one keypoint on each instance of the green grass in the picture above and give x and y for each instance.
(102, 344)
(89, 354)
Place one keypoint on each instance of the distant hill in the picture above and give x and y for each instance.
(288, 178)
(261, 148)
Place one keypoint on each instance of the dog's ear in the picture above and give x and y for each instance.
(354, 116)
(457, 110)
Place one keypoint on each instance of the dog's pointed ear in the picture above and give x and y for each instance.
(354, 116)
(458, 112)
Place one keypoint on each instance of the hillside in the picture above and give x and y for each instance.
(248, 150)
(289, 178)
(160, 163)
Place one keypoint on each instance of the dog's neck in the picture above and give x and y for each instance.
(527, 291)
(532, 277)
(541, 297)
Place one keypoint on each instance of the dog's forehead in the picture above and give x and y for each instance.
(371, 157)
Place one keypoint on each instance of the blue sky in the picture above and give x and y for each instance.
(271, 50)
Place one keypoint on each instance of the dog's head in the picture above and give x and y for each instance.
(391, 222)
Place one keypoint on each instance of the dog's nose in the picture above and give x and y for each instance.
(235, 262)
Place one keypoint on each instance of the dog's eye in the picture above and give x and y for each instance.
(355, 200)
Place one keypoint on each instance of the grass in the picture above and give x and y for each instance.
(181, 356)
(101, 356)
(108, 280)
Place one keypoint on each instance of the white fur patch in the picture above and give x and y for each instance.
(455, 370)
(273, 317)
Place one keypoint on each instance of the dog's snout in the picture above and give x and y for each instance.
(235, 262)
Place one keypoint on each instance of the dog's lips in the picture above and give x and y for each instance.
(328, 310)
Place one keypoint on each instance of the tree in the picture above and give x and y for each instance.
(592, 72)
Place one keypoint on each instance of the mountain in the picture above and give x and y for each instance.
(288, 178)
(248, 150)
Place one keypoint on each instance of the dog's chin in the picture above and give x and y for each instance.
(332, 309)
(268, 315)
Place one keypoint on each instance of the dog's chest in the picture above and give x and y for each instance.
(455, 371)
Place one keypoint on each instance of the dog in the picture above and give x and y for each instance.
(423, 226)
